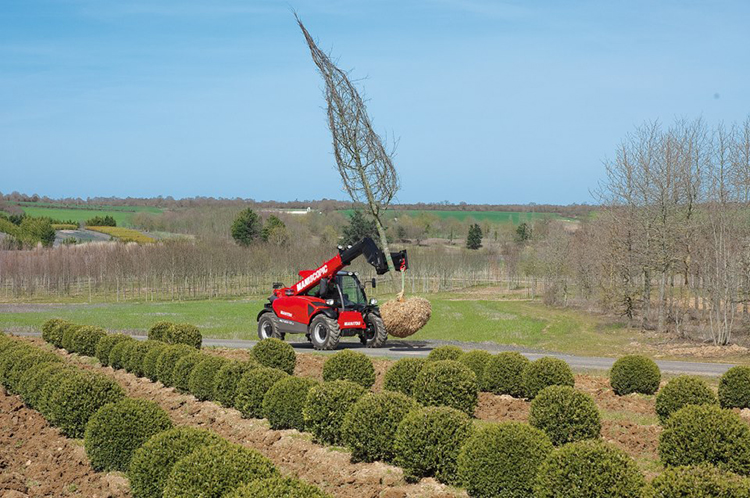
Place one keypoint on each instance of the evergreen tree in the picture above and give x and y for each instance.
(358, 228)
(273, 224)
(474, 240)
(246, 227)
(523, 233)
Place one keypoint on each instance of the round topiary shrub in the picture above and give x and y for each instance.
(30, 384)
(167, 361)
(86, 338)
(682, 391)
(120, 352)
(52, 331)
(252, 388)
(428, 441)
(476, 360)
(118, 429)
(565, 414)
(201, 381)
(138, 352)
(447, 383)
(214, 470)
(370, 425)
(634, 374)
(48, 386)
(105, 345)
(349, 365)
(700, 481)
(276, 487)
(284, 402)
(504, 374)
(183, 368)
(227, 378)
(586, 469)
(185, 333)
(152, 463)
(275, 353)
(445, 353)
(68, 332)
(78, 397)
(734, 388)
(325, 407)
(706, 434)
(545, 372)
(401, 375)
(151, 358)
(158, 331)
(24, 359)
(502, 460)
(11, 355)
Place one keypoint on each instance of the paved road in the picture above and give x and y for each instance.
(402, 349)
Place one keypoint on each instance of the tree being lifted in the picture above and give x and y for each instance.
(366, 169)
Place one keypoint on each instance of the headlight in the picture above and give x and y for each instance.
(373, 302)
(329, 302)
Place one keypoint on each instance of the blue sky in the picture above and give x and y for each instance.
(492, 102)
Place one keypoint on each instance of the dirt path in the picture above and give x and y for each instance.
(37, 461)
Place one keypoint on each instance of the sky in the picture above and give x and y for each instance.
(490, 101)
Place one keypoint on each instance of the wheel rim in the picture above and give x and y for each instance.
(320, 333)
(266, 329)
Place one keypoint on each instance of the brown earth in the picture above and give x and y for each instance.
(37, 461)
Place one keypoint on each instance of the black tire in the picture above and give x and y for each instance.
(324, 332)
(267, 328)
(375, 336)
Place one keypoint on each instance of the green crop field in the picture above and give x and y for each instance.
(122, 214)
(514, 217)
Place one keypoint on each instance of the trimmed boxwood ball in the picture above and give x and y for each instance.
(32, 380)
(275, 353)
(477, 361)
(11, 356)
(105, 345)
(214, 470)
(120, 352)
(349, 365)
(401, 375)
(276, 487)
(565, 414)
(167, 361)
(503, 374)
(587, 469)
(734, 388)
(227, 378)
(117, 430)
(86, 338)
(48, 386)
(183, 368)
(139, 351)
(370, 425)
(428, 441)
(634, 374)
(545, 372)
(78, 398)
(158, 331)
(68, 332)
(152, 463)
(447, 383)
(151, 358)
(52, 331)
(706, 434)
(698, 482)
(15, 371)
(284, 402)
(326, 406)
(252, 387)
(682, 391)
(445, 353)
(502, 460)
(201, 381)
(184, 333)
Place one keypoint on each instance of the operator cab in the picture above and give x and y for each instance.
(346, 288)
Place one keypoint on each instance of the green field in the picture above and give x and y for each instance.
(514, 217)
(122, 214)
(519, 323)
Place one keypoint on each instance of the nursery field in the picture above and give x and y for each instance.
(122, 214)
(512, 217)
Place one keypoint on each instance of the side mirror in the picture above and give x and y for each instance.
(374, 283)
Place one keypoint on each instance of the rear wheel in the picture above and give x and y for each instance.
(267, 328)
(375, 334)
(324, 332)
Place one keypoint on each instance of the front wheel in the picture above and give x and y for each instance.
(375, 334)
(324, 332)
(267, 328)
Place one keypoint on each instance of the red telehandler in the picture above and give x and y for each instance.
(329, 303)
